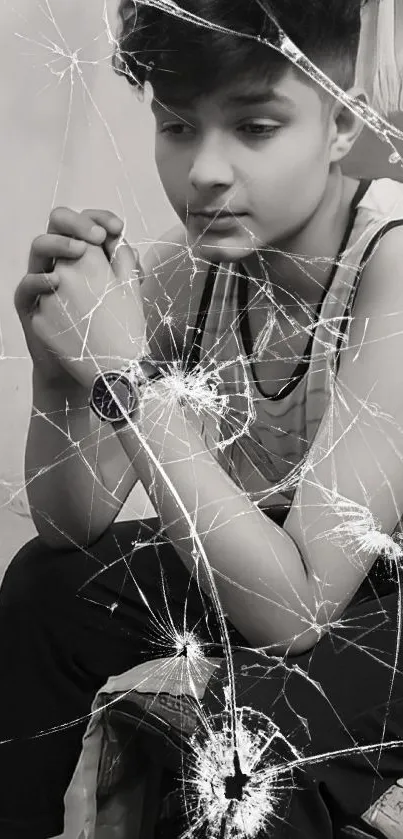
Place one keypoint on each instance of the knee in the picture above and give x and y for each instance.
(32, 575)
(39, 575)
(27, 556)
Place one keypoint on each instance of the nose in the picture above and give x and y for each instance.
(211, 165)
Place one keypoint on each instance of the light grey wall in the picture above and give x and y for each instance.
(68, 136)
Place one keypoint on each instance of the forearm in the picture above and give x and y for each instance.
(65, 485)
(260, 577)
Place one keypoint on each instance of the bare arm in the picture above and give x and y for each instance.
(257, 567)
(77, 473)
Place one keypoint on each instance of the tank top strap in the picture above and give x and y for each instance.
(196, 341)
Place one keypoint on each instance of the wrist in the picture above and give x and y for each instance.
(86, 370)
(60, 387)
(116, 394)
(160, 410)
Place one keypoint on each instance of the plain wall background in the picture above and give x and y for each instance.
(72, 135)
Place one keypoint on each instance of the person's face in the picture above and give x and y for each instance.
(265, 162)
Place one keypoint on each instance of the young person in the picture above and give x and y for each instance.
(292, 490)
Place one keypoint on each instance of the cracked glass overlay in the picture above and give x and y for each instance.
(237, 772)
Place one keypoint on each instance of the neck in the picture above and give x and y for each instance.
(299, 267)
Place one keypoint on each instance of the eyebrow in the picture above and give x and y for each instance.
(265, 97)
(256, 98)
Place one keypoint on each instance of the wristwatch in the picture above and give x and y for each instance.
(113, 390)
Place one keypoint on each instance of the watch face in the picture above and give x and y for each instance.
(107, 404)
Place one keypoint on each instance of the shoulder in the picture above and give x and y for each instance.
(373, 353)
(174, 278)
(381, 281)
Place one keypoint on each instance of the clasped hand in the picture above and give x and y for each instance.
(86, 312)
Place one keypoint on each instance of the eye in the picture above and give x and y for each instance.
(174, 128)
(260, 129)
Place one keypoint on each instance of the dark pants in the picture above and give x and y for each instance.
(70, 619)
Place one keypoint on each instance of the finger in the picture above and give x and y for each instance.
(125, 260)
(72, 223)
(50, 246)
(90, 225)
(106, 219)
(30, 289)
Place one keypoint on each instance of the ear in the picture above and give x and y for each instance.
(345, 126)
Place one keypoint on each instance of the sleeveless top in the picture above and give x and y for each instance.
(263, 440)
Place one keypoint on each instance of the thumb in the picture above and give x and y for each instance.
(124, 260)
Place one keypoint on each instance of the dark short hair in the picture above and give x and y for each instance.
(171, 52)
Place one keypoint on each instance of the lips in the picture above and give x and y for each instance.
(216, 213)
(208, 224)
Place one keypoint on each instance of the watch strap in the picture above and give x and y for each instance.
(143, 370)
(137, 375)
